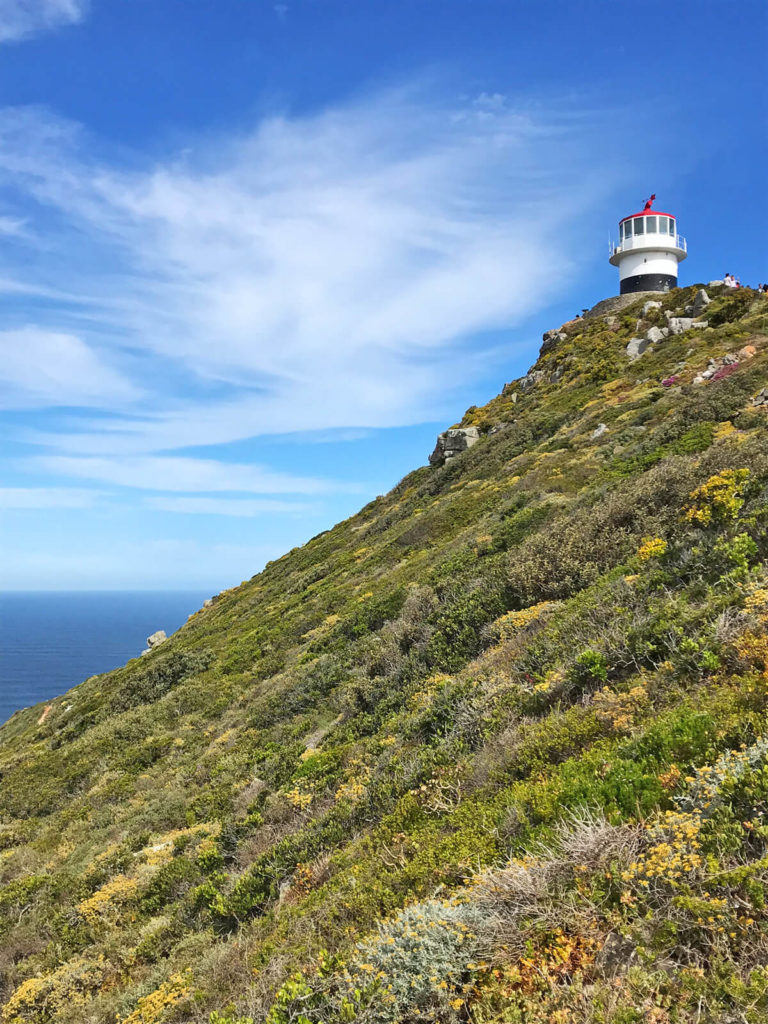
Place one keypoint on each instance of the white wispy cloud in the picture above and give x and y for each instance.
(313, 273)
(42, 368)
(20, 19)
(178, 473)
(46, 497)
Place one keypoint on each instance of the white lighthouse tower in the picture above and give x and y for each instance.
(648, 251)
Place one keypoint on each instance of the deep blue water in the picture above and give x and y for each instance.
(52, 641)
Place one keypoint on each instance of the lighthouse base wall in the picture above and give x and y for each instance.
(648, 283)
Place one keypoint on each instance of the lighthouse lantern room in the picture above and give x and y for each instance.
(648, 251)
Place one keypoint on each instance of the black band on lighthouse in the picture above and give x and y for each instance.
(648, 283)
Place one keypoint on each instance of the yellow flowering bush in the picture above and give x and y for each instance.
(513, 622)
(151, 1009)
(618, 711)
(719, 499)
(651, 547)
(40, 999)
(106, 903)
(301, 795)
(355, 786)
(672, 855)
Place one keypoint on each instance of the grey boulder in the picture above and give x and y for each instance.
(700, 302)
(636, 347)
(154, 641)
(452, 442)
(678, 324)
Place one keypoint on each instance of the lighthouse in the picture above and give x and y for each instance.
(648, 251)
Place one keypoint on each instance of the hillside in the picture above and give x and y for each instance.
(493, 749)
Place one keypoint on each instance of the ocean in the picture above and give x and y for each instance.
(51, 641)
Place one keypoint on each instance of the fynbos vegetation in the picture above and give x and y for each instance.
(495, 749)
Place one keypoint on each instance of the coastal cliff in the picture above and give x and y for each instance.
(492, 749)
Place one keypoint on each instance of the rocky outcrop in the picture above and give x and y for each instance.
(550, 340)
(700, 302)
(530, 380)
(761, 398)
(651, 304)
(452, 443)
(154, 641)
(636, 347)
(615, 304)
(678, 324)
(654, 335)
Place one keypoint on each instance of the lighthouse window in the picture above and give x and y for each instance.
(627, 228)
(639, 225)
(671, 226)
(650, 224)
(663, 225)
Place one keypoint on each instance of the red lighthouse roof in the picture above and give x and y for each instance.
(646, 210)
(645, 213)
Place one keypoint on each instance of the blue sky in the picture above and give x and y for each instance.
(254, 255)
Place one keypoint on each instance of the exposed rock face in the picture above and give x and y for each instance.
(452, 442)
(761, 398)
(530, 379)
(700, 302)
(154, 641)
(550, 339)
(636, 347)
(678, 324)
(654, 335)
(615, 304)
(651, 304)
(599, 430)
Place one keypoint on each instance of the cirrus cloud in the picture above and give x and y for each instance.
(20, 19)
(311, 273)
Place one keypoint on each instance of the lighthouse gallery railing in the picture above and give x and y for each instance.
(678, 242)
